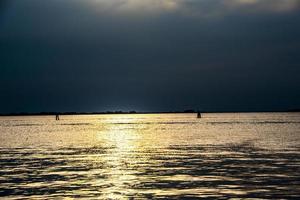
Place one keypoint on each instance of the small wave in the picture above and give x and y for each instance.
(76, 124)
(262, 122)
(24, 125)
(145, 123)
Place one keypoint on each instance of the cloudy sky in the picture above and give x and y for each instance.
(149, 55)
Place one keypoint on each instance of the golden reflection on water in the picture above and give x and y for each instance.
(125, 143)
(150, 156)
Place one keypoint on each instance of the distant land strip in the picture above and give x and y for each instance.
(136, 112)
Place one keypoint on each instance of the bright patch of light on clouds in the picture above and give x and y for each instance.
(267, 5)
(197, 7)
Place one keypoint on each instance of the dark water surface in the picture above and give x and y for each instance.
(221, 156)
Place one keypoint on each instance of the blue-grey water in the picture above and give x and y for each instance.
(152, 156)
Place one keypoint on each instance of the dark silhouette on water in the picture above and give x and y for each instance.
(199, 114)
(57, 117)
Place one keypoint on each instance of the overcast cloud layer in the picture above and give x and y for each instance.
(149, 55)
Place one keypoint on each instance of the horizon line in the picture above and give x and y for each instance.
(141, 112)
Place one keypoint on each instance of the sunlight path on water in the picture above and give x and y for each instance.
(250, 155)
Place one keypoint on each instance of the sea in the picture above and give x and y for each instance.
(151, 156)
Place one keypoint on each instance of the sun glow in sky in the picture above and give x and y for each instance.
(197, 7)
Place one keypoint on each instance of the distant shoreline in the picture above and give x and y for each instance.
(135, 112)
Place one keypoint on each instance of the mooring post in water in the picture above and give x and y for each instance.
(199, 114)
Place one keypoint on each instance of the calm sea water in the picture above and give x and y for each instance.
(220, 156)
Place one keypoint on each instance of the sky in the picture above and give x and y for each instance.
(149, 55)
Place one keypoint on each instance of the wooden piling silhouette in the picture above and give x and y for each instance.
(199, 114)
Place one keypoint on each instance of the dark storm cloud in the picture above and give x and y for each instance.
(149, 55)
(2, 6)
